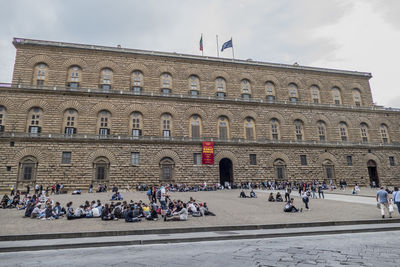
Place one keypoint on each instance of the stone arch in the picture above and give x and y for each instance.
(226, 154)
(311, 82)
(102, 152)
(31, 62)
(106, 64)
(166, 109)
(103, 105)
(29, 151)
(248, 77)
(166, 153)
(294, 80)
(355, 85)
(364, 120)
(166, 69)
(195, 110)
(371, 156)
(135, 107)
(326, 156)
(249, 113)
(71, 104)
(273, 79)
(337, 84)
(194, 71)
(137, 66)
(7, 103)
(277, 115)
(321, 117)
(222, 112)
(298, 116)
(345, 119)
(74, 62)
(219, 73)
(279, 155)
(27, 105)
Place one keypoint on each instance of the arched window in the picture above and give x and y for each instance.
(194, 85)
(27, 169)
(2, 118)
(195, 126)
(166, 83)
(220, 86)
(136, 122)
(104, 123)
(321, 127)
(74, 77)
(337, 98)
(101, 166)
(137, 81)
(270, 90)
(343, 131)
(166, 125)
(246, 88)
(70, 123)
(315, 94)
(299, 130)
(40, 74)
(364, 132)
(293, 94)
(35, 121)
(249, 128)
(223, 128)
(329, 170)
(280, 169)
(384, 134)
(106, 79)
(357, 97)
(167, 169)
(275, 129)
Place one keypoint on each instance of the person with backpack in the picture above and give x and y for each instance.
(149, 194)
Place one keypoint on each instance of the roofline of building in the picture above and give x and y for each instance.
(24, 41)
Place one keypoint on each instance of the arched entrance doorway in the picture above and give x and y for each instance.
(225, 171)
(373, 172)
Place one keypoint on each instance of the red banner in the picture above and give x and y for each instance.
(208, 153)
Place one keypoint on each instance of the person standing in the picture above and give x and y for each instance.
(12, 189)
(382, 197)
(91, 188)
(320, 191)
(287, 193)
(36, 189)
(396, 197)
(306, 199)
(28, 188)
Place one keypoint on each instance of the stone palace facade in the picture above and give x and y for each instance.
(80, 114)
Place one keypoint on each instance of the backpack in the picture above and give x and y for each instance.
(158, 193)
(149, 192)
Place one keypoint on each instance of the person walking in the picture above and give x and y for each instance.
(12, 189)
(306, 199)
(28, 188)
(396, 197)
(382, 197)
(320, 192)
(287, 193)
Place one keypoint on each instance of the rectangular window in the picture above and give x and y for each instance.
(280, 173)
(70, 130)
(73, 84)
(106, 87)
(249, 133)
(303, 160)
(28, 170)
(66, 158)
(223, 133)
(194, 92)
(195, 131)
(167, 172)
(136, 89)
(349, 160)
(135, 158)
(1, 128)
(197, 158)
(166, 91)
(220, 94)
(104, 131)
(40, 82)
(34, 130)
(136, 133)
(166, 133)
(101, 173)
(391, 160)
(253, 159)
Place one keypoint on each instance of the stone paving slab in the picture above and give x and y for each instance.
(230, 210)
(190, 237)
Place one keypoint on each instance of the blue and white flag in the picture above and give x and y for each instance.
(227, 45)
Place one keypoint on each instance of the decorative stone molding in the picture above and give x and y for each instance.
(226, 154)
(102, 152)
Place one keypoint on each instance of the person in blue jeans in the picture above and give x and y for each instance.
(396, 197)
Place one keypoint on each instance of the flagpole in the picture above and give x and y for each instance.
(202, 43)
(217, 47)
(233, 52)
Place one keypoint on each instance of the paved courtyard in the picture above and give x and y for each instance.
(229, 208)
(363, 249)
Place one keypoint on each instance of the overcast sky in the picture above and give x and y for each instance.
(361, 35)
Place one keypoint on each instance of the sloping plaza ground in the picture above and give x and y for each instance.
(229, 208)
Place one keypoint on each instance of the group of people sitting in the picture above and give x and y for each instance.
(252, 194)
(278, 197)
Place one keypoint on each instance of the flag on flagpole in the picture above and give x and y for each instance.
(201, 43)
(227, 45)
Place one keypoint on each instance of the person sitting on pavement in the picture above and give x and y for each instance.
(106, 214)
(242, 194)
(179, 216)
(131, 216)
(153, 216)
(279, 197)
(253, 194)
(271, 197)
(116, 196)
(49, 213)
(289, 207)
(58, 210)
(77, 192)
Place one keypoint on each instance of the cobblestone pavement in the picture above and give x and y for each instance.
(363, 249)
(229, 208)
